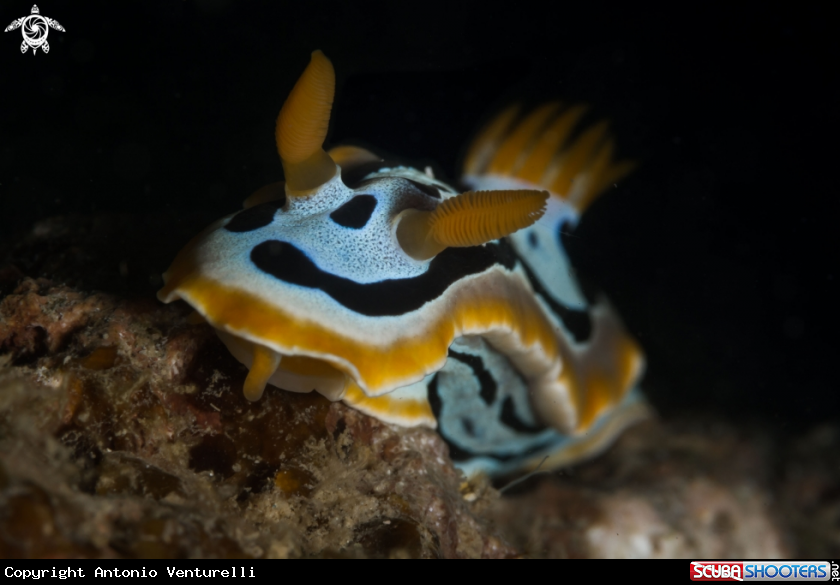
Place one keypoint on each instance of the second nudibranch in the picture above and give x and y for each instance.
(376, 284)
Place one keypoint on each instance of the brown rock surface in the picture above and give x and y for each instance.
(124, 433)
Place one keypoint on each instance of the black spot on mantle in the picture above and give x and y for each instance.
(255, 217)
(354, 177)
(532, 239)
(429, 190)
(355, 213)
(510, 418)
(486, 382)
(391, 297)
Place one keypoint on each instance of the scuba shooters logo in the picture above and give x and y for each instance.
(763, 571)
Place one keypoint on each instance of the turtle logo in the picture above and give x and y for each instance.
(35, 29)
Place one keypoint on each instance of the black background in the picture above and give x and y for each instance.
(719, 251)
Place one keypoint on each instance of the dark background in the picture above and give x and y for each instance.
(719, 251)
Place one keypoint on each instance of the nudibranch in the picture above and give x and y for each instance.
(377, 284)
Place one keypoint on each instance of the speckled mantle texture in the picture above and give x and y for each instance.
(124, 433)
